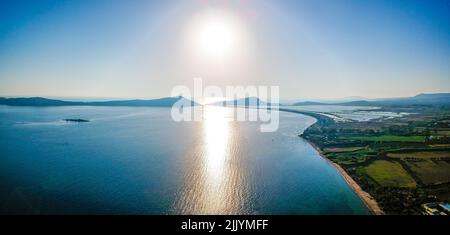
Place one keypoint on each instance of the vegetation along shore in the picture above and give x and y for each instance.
(367, 199)
(394, 164)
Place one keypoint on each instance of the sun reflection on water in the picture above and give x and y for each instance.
(215, 180)
(216, 131)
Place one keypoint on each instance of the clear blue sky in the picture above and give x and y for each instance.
(311, 49)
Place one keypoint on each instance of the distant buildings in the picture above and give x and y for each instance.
(436, 208)
(445, 207)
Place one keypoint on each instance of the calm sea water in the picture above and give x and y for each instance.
(138, 161)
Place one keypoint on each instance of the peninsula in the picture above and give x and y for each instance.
(395, 165)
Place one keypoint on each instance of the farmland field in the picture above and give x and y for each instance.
(356, 155)
(444, 133)
(389, 174)
(421, 155)
(389, 138)
(430, 172)
(342, 150)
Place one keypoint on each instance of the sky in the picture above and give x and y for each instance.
(321, 49)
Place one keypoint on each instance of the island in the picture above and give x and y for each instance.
(76, 120)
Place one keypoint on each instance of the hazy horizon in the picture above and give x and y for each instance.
(218, 99)
(142, 49)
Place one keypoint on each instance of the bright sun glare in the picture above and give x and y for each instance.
(216, 34)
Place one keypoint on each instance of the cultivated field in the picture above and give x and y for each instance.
(430, 171)
(388, 138)
(421, 155)
(389, 174)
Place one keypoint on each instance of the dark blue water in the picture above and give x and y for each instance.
(138, 161)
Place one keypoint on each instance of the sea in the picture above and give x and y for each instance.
(138, 160)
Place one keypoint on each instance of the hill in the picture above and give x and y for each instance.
(39, 101)
(421, 99)
(244, 102)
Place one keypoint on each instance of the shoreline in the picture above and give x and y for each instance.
(365, 197)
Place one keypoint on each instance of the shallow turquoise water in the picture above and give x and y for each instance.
(138, 161)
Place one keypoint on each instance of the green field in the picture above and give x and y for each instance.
(444, 133)
(421, 155)
(389, 174)
(389, 138)
(351, 156)
(430, 172)
(343, 150)
(439, 145)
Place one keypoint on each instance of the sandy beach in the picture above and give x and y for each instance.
(368, 200)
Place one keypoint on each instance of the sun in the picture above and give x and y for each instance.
(216, 34)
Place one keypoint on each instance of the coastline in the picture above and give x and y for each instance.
(367, 199)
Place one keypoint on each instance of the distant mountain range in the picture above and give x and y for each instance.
(244, 102)
(421, 99)
(325, 101)
(39, 101)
